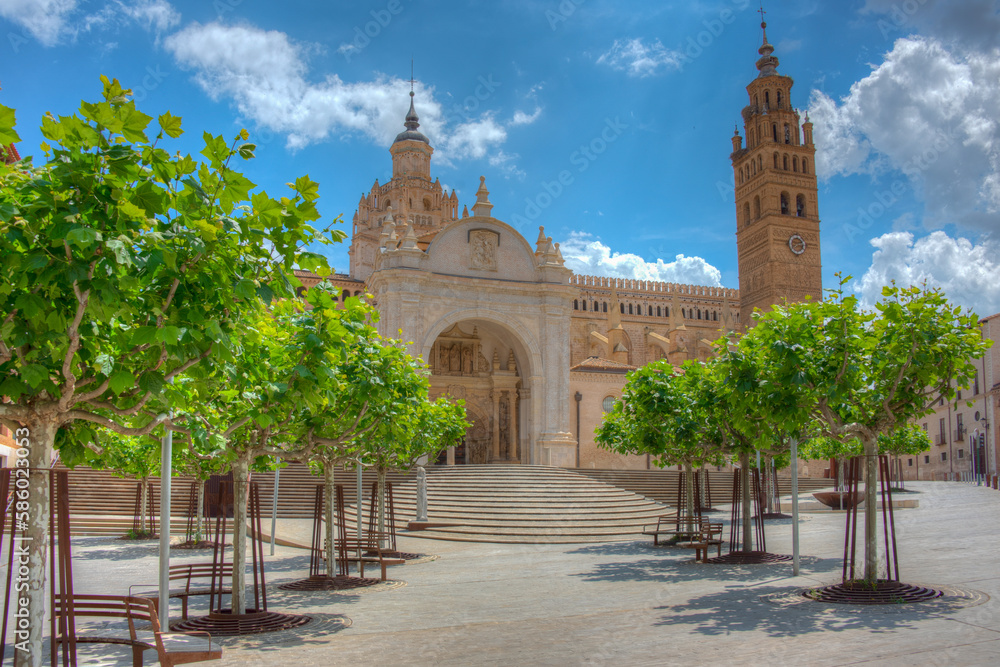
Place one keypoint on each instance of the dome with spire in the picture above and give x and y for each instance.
(411, 133)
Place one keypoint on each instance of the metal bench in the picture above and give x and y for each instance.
(366, 550)
(218, 578)
(709, 535)
(669, 524)
(171, 648)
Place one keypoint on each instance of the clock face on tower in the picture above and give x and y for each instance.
(796, 244)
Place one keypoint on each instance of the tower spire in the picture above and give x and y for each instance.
(768, 63)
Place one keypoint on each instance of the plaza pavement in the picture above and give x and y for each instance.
(621, 603)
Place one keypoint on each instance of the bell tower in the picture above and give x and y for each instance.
(777, 217)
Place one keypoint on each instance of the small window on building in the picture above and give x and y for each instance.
(784, 203)
(944, 456)
(800, 205)
(961, 453)
(576, 305)
(630, 309)
(605, 307)
(595, 307)
(805, 166)
(608, 403)
(622, 307)
(909, 462)
(658, 311)
(346, 293)
(666, 311)
(927, 459)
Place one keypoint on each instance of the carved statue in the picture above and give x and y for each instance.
(455, 359)
(467, 361)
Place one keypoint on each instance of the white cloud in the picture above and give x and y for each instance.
(265, 73)
(638, 59)
(930, 113)
(966, 271)
(51, 21)
(152, 15)
(45, 20)
(586, 255)
(522, 118)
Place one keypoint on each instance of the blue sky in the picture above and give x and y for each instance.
(636, 100)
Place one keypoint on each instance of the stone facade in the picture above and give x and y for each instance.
(954, 428)
(536, 351)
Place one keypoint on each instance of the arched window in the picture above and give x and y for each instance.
(595, 306)
(699, 313)
(345, 294)
(767, 99)
(583, 305)
(388, 203)
(357, 292)
(800, 205)
(605, 308)
(784, 162)
(622, 306)
(756, 207)
(779, 99)
(576, 305)
(427, 203)
(753, 166)
(630, 309)
(795, 164)
(715, 316)
(300, 290)
(760, 162)
(650, 311)
(658, 311)
(784, 203)
(805, 166)
(774, 132)
(775, 160)
(756, 101)
(788, 134)
(746, 213)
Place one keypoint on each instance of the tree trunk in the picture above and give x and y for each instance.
(199, 524)
(689, 496)
(330, 517)
(747, 509)
(381, 508)
(241, 492)
(871, 511)
(39, 439)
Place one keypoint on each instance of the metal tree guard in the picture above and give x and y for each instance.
(60, 560)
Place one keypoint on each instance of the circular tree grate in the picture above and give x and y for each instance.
(226, 624)
(883, 592)
(337, 583)
(749, 558)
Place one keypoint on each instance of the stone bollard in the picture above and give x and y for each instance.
(421, 494)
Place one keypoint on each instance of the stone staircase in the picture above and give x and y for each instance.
(494, 503)
(524, 504)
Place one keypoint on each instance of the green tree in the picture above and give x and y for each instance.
(826, 448)
(667, 414)
(256, 407)
(374, 381)
(907, 440)
(862, 374)
(131, 457)
(123, 267)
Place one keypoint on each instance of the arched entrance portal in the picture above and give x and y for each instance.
(481, 363)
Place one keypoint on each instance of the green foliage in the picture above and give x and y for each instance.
(125, 265)
(861, 373)
(666, 414)
(906, 440)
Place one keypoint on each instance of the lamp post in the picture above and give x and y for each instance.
(985, 444)
(578, 397)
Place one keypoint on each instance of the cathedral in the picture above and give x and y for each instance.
(539, 353)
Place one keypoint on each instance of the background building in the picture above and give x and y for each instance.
(537, 353)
